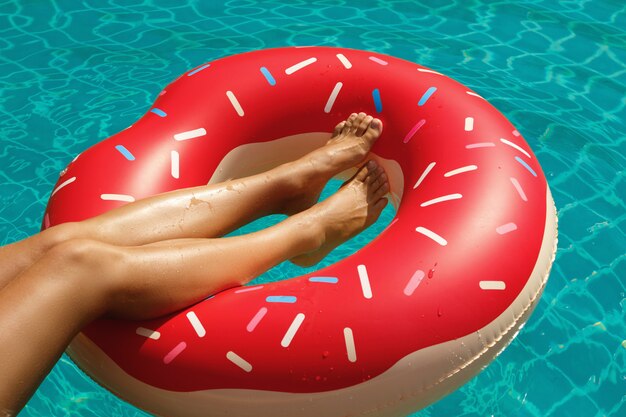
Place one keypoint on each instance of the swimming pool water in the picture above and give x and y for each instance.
(74, 73)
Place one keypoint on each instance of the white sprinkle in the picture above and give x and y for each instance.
(117, 197)
(234, 102)
(460, 170)
(299, 66)
(441, 199)
(469, 124)
(414, 282)
(150, 334)
(175, 164)
(247, 289)
(480, 145)
(365, 281)
(291, 332)
(190, 134)
(506, 228)
(344, 61)
(378, 60)
(428, 71)
(426, 171)
(75, 158)
(515, 133)
(511, 144)
(519, 189)
(63, 184)
(239, 361)
(474, 94)
(434, 236)
(492, 285)
(350, 348)
(195, 323)
(333, 97)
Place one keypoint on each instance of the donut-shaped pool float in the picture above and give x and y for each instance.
(402, 322)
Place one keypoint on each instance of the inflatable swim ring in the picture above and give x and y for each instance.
(407, 319)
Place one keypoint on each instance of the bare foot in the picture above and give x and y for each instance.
(349, 144)
(349, 211)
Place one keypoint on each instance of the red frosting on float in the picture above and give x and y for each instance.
(399, 317)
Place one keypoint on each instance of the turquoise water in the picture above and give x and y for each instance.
(74, 73)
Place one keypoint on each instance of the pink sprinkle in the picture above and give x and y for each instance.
(392, 223)
(378, 60)
(414, 282)
(515, 133)
(162, 92)
(174, 353)
(256, 319)
(506, 228)
(248, 289)
(519, 189)
(414, 130)
(480, 145)
(46, 221)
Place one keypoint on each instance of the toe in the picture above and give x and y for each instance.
(357, 122)
(374, 129)
(376, 181)
(382, 190)
(380, 204)
(338, 128)
(348, 123)
(363, 125)
(363, 173)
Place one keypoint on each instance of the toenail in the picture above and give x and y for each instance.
(375, 124)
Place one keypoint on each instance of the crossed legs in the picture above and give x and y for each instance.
(66, 281)
(208, 211)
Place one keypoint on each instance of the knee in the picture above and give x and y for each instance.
(59, 234)
(82, 266)
(86, 256)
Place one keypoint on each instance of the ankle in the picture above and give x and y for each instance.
(310, 229)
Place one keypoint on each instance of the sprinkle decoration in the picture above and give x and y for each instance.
(475, 219)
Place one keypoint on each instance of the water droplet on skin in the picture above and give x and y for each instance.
(325, 354)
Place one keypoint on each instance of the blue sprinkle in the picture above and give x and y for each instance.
(377, 102)
(198, 70)
(426, 96)
(281, 299)
(518, 159)
(158, 112)
(330, 280)
(125, 152)
(268, 76)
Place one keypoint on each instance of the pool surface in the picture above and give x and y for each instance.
(74, 73)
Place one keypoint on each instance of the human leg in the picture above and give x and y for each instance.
(213, 210)
(79, 280)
